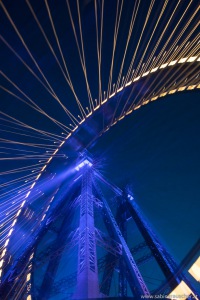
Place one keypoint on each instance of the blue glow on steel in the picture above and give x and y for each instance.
(82, 164)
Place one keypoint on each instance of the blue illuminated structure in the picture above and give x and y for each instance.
(81, 67)
(87, 275)
(86, 245)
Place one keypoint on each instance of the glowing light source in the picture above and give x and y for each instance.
(68, 136)
(43, 217)
(128, 83)
(11, 230)
(114, 123)
(154, 98)
(119, 89)
(163, 66)
(82, 164)
(121, 117)
(172, 63)
(163, 94)
(38, 176)
(28, 297)
(172, 91)
(182, 88)
(137, 78)
(31, 256)
(77, 126)
(191, 87)
(55, 152)
(43, 167)
(195, 269)
(154, 69)
(137, 107)
(129, 112)
(49, 159)
(28, 277)
(112, 95)
(6, 243)
(96, 107)
(192, 58)
(1, 263)
(104, 101)
(27, 196)
(3, 253)
(130, 197)
(145, 74)
(33, 185)
(183, 290)
(13, 223)
(23, 203)
(182, 60)
(18, 212)
(145, 102)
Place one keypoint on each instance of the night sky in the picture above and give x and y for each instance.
(155, 150)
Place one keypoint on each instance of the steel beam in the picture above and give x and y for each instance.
(140, 286)
(87, 275)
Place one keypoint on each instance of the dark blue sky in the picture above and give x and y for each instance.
(156, 150)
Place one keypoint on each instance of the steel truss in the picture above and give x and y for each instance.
(93, 275)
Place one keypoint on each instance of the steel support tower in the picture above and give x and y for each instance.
(86, 247)
(87, 275)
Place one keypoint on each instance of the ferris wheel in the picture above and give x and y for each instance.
(71, 72)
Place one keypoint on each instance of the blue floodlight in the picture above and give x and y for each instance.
(82, 164)
(130, 197)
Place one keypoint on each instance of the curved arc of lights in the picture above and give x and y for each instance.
(183, 60)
